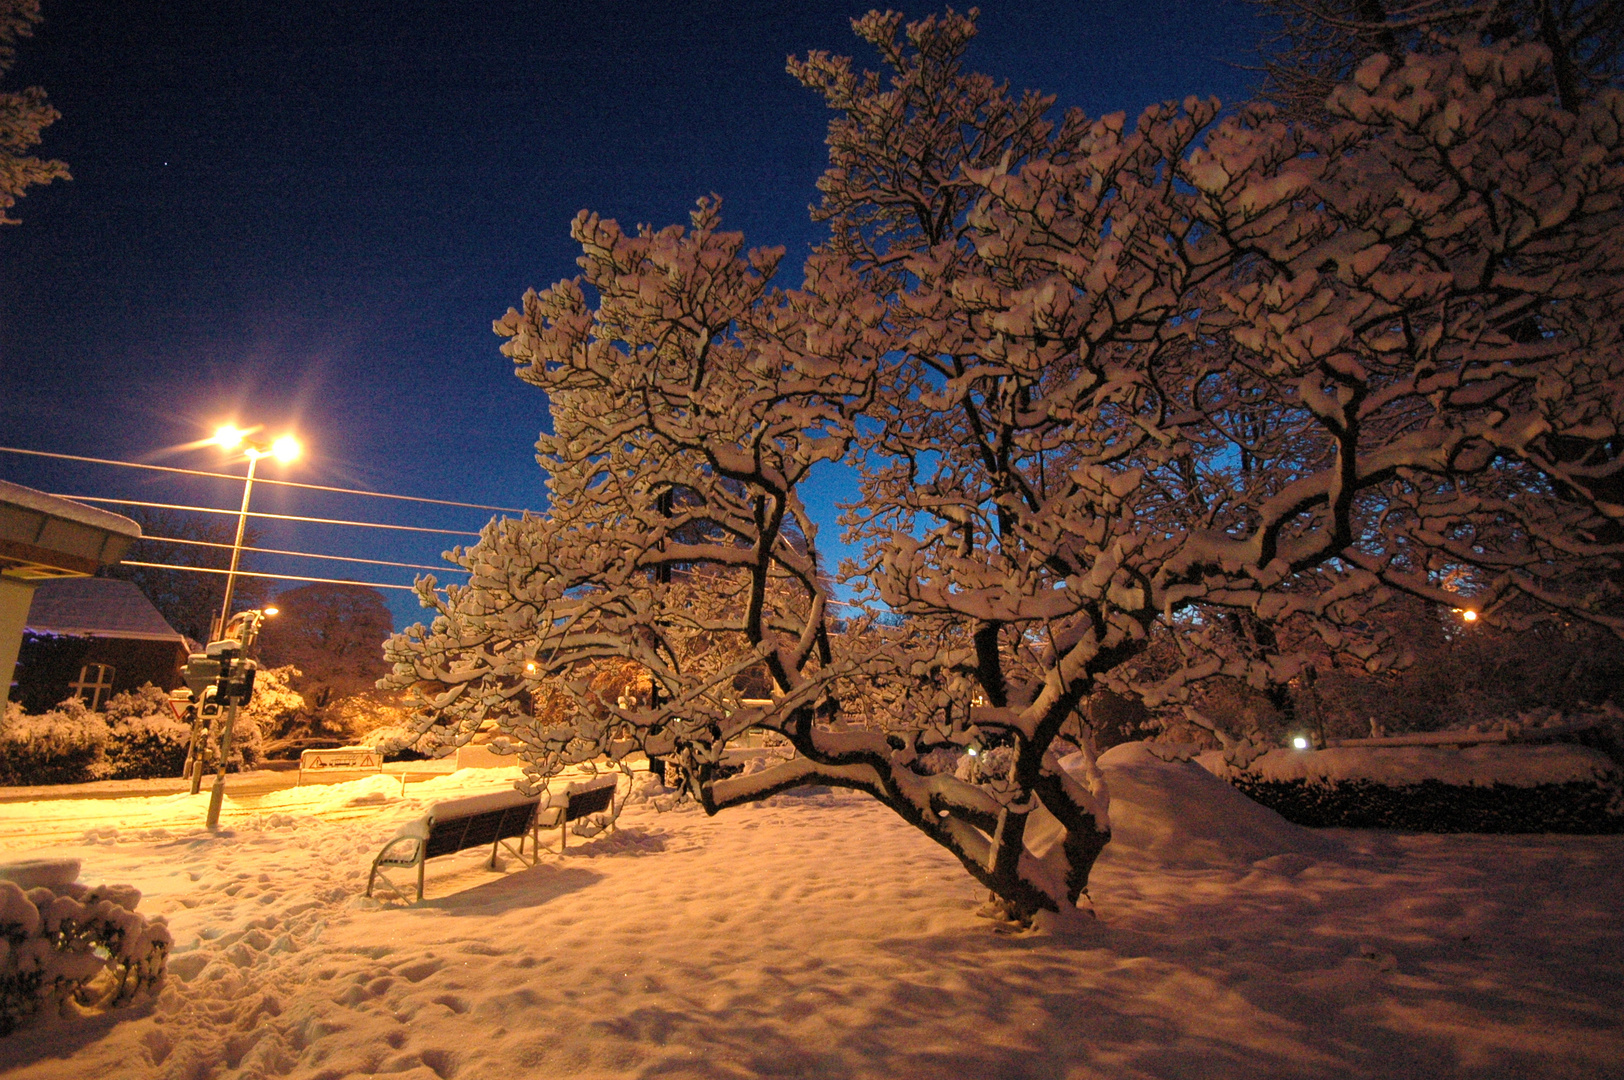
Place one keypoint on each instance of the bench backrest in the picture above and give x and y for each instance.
(487, 827)
(591, 801)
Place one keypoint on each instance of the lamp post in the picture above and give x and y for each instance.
(284, 449)
(233, 669)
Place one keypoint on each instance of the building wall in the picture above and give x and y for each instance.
(49, 663)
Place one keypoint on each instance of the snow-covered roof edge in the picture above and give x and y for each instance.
(56, 506)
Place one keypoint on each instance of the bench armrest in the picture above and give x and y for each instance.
(413, 833)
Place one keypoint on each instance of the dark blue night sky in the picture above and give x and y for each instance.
(306, 215)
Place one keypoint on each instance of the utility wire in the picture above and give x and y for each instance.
(261, 480)
(273, 577)
(257, 514)
(303, 554)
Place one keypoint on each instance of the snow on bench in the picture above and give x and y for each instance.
(495, 818)
(595, 796)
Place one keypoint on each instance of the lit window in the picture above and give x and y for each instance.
(95, 684)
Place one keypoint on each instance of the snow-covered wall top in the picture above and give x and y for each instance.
(1395, 766)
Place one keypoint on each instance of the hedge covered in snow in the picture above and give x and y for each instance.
(136, 737)
(70, 945)
(1489, 789)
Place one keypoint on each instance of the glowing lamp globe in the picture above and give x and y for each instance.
(286, 449)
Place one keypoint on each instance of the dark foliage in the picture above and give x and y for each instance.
(1433, 806)
(45, 664)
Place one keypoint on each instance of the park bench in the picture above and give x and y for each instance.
(595, 796)
(460, 824)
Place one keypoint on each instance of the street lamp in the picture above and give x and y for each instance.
(284, 449)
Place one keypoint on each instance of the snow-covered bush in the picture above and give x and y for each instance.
(355, 716)
(75, 944)
(274, 703)
(1486, 788)
(145, 747)
(1227, 383)
(63, 746)
(145, 739)
(395, 741)
(136, 737)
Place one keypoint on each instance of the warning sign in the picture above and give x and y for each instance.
(343, 759)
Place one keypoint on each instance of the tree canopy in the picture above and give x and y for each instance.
(332, 634)
(1105, 383)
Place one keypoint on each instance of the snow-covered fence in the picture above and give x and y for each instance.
(63, 943)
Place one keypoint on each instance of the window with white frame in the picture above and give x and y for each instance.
(95, 684)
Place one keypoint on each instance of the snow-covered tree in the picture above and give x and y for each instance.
(1101, 382)
(1313, 45)
(23, 115)
(331, 634)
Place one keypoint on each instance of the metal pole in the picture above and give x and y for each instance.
(236, 545)
(194, 750)
(218, 792)
(204, 727)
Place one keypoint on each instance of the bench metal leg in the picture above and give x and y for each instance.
(378, 876)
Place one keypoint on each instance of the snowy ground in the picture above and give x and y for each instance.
(815, 936)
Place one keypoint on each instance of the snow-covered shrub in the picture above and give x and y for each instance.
(75, 944)
(354, 717)
(1558, 788)
(395, 742)
(146, 747)
(145, 739)
(63, 746)
(275, 703)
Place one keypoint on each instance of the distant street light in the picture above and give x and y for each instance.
(284, 449)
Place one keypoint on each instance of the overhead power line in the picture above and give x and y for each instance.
(304, 554)
(258, 514)
(273, 577)
(262, 480)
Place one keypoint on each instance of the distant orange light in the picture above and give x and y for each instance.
(1469, 616)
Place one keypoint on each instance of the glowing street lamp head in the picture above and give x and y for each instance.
(228, 437)
(1466, 614)
(1299, 743)
(286, 449)
(272, 611)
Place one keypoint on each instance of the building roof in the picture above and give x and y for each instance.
(67, 509)
(44, 536)
(97, 607)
